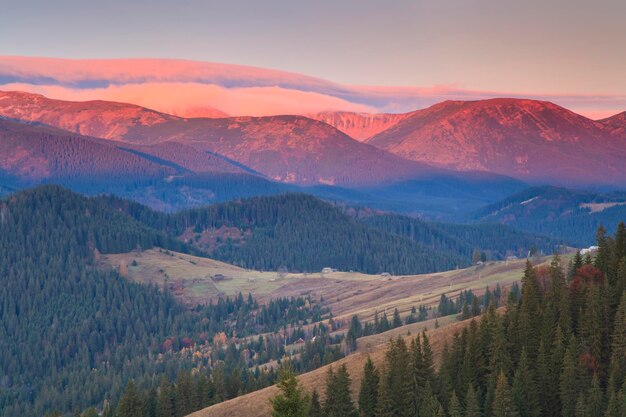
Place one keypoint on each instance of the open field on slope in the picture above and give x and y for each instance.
(256, 404)
(346, 293)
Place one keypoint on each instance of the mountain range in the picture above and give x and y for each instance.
(511, 137)
(291, 149)
(448, 159)
(531, 140)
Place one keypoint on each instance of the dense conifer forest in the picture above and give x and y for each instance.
(559, 350)
(566, 215)
(305, 234)
(71, 335)
(498, 240)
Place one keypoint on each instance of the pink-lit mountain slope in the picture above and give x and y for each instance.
(359, 126)
(35, 153)
(292, 149)
(616, 124)
(32, 153)
(531, 140)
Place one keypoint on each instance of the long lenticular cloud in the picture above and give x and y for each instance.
(191, 88)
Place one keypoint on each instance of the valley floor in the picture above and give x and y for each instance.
(193, 280)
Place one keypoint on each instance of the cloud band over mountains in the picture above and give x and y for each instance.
(191, 88)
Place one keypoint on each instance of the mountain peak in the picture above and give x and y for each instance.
(527, 139)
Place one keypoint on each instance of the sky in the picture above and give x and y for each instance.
(532, 48)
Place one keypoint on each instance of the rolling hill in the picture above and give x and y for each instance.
(531, 140)
(305, 234)
(567, 215)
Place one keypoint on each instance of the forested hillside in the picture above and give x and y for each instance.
(563, 214)
(303, 233)
(557, 350)
(71, 336)
(495, 240)
(60, 317)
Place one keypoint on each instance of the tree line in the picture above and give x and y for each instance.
(559, 350)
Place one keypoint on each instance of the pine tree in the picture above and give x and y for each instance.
(472, 405)
(502, 404)
(183, 394)
(368, 394)
(130, 404)
(454, 407)
(523, 392)
(617, 371)
(291, 401)
(338, 401)
(397, 321)
(166, 404)
(529, 312)
(395, 398)
(315, 409)
(429, 405)
(617, 404)
(595, 404)
(569, 382)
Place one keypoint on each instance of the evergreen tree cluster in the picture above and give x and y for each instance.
(496, 240)
(558, 350)
(299, 232)
(72, 335)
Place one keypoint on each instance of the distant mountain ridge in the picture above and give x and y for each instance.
(291, 149)
(616, 123)
(359, 126)
(531, 140)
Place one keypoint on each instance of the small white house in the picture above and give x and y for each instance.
(327, 270)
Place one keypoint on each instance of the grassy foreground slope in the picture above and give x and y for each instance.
(256, 404)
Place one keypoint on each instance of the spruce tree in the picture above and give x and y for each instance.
(580, 407)
(166, 404)
(291, 401)
(595, 403)
(523, 391)
(529, 312)
(130, 404)
(338, 401)
(454, 407)
(315, 409)
(472, 405)
(429, 405)
(613, 408)
(368, 394)
(183, 394)
(502, 404)
(396, 399)
(617, 371)
(569, 381)
(397, 321)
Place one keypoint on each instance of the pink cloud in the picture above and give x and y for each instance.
(202, 100)
(198, 88)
